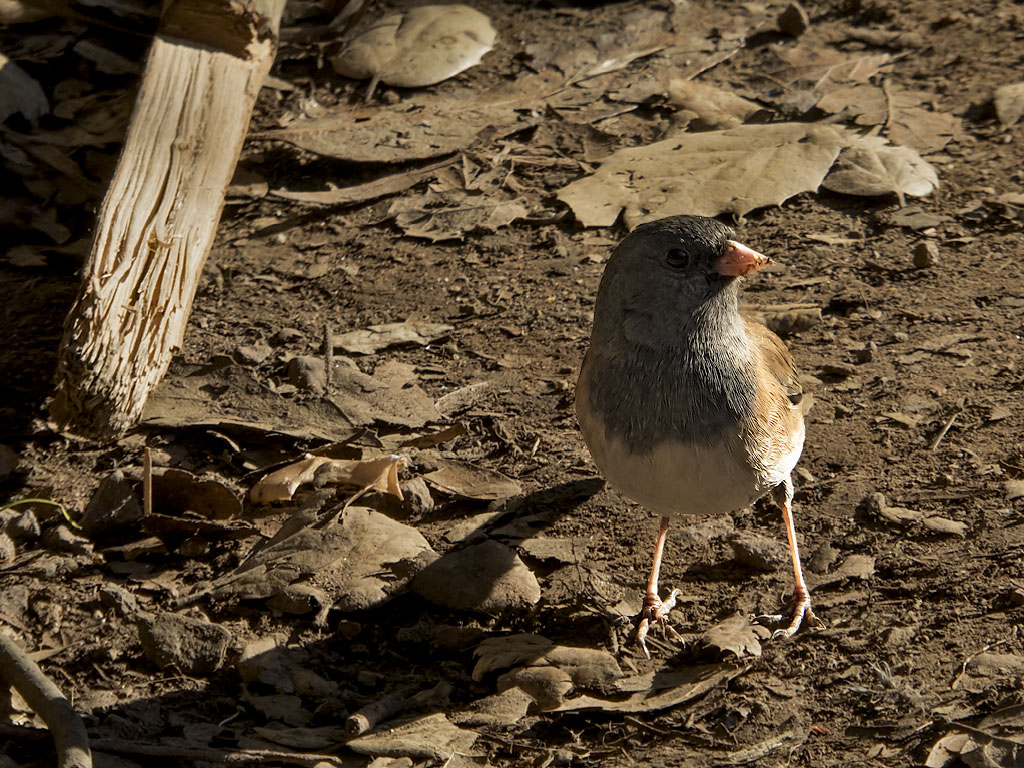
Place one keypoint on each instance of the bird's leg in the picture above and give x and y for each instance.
(800, 604)
(654, 610)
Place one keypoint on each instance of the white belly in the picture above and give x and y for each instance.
(677, 479)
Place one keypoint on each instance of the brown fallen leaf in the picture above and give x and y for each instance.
(715, 107)
(469, 480)
(735, 636)
(731, 171)
(871, 167)
(373, 339)
(422, 46)
(824, 69)
(905, 120)
(380, 474)
(437, 217)
(659, 690)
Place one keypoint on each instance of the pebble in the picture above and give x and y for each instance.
(113, 506)
(926, 254)
(186, 645)
(758, 552)
(794, 20)
(309, 373)
(487, 577)
(286, 336)
(251, 354)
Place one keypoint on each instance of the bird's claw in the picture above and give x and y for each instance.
(655, 611)
(799, 611)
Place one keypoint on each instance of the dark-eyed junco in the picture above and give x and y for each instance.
(688, 409)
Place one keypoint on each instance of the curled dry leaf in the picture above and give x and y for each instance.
(473, 482)
(380, 474)
(421, 47)
(823, 69)
(736, 636)
(906, 121)
(732, 171)
(872, 167)
(20, 93)
(377, 337)
(715, 107)
(1009, 103)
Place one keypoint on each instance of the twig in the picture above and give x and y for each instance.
(68, 731)
(963, 667)
(147, 484)
(367, 718)
(328, 355)
(942, 432)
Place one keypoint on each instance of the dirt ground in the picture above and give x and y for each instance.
(915, 371)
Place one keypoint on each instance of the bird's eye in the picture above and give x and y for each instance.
(678, 258)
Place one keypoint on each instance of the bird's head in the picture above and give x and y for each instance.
(668, 271)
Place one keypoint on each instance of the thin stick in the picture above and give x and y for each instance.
(147, 483)
(942, 432)
(68, 731)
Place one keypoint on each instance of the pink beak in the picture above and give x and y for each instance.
(740, 260)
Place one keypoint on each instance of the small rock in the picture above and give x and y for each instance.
(308, 373)
(251, 354)
(822, 558)
(418, 500)
(759, 552)
(20, 526)
(8, 462)
(794, 21)
(286, 336)
(113, 506)
(866, 354)
(505, 708)
(926, 254)
(841, 370)
(60, 538)
(547, 685)
(116, 598)
(899, 337)
(193, 647)
(487, 577)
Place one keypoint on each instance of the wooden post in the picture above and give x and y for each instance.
(160, 214)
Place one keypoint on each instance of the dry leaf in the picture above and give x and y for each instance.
(468, 480)
(823, 69)
(737, 636)
(377, 337)
(1009, 102)
(425, 737)
(450, 217)
(360, 561)
(906, 122)
(20, 93)
(421, 47)
(380, 474)
(660, 690)
(735, 171)
(715, 107)
(871, 167)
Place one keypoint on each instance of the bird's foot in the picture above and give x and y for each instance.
(799, 611)
(655, 611)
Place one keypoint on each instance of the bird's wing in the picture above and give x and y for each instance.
(777, 360)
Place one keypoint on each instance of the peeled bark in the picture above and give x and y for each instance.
(160, 214)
